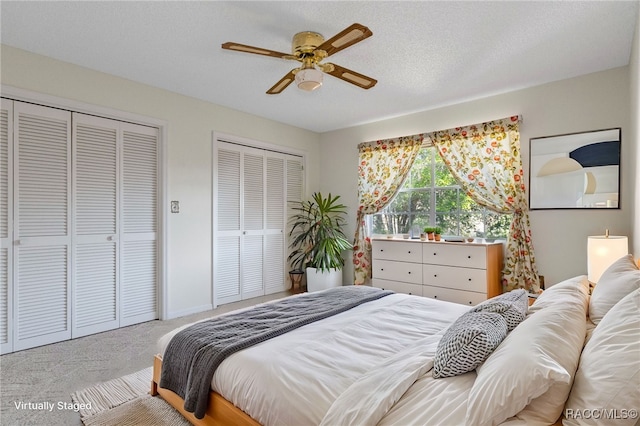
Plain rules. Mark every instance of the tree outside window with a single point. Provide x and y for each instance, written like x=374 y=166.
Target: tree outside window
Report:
x=430 y=196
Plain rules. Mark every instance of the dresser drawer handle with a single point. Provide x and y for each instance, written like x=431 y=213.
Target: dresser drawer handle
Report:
x=381 y=250
x=409 y=272
x=382 y=269
x=435 y=275
x=435 y=297
x=435 y=254
x=469 y=279
x=470 y=303
x=409 y=251
x=469 y=257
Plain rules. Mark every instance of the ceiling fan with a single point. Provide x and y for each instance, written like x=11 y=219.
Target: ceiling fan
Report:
x=310 y=48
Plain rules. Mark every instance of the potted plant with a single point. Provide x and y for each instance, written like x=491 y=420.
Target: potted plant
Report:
x=318 y=240
x=437 y=232
x=429 y=231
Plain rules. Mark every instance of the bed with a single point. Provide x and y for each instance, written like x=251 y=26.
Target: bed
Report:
x=556 y=361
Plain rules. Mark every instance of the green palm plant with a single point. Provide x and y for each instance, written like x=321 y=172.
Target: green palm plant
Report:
x=317 y=236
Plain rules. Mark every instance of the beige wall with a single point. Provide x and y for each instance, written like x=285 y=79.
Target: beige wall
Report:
x=634 y=134
x=590 y=102
x=189 y=152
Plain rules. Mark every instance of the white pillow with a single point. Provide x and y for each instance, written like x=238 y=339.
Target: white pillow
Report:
x=533 y=367
x=559 y=293
x=620 y=279
x=609 y=373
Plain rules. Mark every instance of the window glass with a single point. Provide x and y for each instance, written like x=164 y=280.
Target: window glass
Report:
x=431 y=197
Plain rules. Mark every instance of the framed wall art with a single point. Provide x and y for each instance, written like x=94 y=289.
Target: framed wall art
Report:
x=575 y=170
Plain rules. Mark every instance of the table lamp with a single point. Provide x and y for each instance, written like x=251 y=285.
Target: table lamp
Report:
x=602 y=251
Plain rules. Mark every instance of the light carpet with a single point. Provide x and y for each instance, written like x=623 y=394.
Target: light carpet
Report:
x=126 y=401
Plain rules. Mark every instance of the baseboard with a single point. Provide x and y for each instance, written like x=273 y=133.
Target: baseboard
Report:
x=189 y=311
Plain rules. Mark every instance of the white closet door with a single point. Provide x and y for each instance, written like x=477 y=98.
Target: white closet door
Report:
x=251 y=188
x=6 y=213
x=226 y=252
x=42 y=216
x=139 y=229
x=252 y=217
x=95 y=237
x=274 y=268
x=295 y=185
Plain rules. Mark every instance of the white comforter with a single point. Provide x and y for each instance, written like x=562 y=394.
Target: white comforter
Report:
x=369 y=365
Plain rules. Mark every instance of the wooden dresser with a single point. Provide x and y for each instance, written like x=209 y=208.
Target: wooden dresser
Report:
x=466 y=273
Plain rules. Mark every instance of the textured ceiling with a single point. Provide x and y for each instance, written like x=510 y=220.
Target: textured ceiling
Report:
x=424 y=55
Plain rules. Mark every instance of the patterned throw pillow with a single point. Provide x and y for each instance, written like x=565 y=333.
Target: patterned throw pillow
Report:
x=513 y=306
x=468 y=343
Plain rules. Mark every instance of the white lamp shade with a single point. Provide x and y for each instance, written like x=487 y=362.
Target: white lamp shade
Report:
x=309 y=79
x=602 y=251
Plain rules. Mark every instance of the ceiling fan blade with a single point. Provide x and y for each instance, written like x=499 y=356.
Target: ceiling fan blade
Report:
x=257 y=50
x=345 y=38
x=282 y=84
x=349 y=76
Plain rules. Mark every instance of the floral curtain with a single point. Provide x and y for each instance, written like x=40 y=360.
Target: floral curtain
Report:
x=485 y=160
x=382 y=168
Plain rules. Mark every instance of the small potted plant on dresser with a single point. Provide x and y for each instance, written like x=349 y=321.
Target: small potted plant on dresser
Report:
x=437 y=233
x=429 y=230
x=318 y=240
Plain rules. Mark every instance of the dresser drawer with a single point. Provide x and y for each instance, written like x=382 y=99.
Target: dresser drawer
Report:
x=451 y=254
x=467 y=279
x=403 y=251
x=398 y=287
x=397 y=271
x=456 y=296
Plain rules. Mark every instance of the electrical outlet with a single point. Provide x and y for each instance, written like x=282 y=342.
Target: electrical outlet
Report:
x=175 y=207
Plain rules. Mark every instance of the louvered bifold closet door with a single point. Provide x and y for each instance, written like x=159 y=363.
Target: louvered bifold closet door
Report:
x=252 y=217
x=274 y=250
x=6 y=213
x=295 y=185
x=139 y=231
x=95 y=237
x=42 y=231
x=226 y=211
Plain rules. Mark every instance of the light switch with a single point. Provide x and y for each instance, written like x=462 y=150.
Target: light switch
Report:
x=175 y=207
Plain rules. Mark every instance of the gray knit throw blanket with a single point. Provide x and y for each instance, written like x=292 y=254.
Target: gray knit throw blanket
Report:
x=192 y=356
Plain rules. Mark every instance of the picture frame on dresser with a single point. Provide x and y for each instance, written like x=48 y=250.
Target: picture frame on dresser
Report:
x=459 y=272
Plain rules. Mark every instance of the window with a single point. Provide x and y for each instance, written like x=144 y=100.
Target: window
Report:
x=430 y=196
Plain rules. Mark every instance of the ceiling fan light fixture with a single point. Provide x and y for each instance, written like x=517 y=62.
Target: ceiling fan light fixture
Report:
x=309 y=79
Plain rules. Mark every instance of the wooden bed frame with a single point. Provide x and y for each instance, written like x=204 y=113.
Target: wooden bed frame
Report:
x=219 y=413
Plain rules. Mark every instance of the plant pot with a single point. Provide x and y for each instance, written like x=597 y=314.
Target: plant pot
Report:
x=437 y=237
x=430 y=236
x=296 y=278
x=321 y=280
